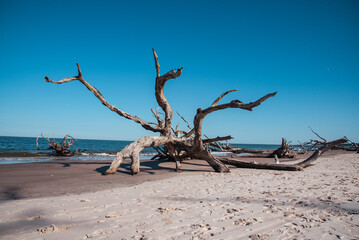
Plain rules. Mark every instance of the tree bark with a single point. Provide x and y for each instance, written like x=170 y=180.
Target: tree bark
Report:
x=133 y=150
x=241 y=164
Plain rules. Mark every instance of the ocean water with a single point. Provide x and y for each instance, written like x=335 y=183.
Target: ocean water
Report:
x=23 y=150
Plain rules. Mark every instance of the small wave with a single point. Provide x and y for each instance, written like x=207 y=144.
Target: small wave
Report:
x=221 y=153
x=16 y=160
x=22 y=154
x=148 y=154
x=97 y=154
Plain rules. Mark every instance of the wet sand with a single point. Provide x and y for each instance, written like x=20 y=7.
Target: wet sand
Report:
x=54 y=178
x=64 y=177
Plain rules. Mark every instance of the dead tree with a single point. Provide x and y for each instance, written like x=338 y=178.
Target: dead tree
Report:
x=62 y=148
x=284 y=151
x=179 y=144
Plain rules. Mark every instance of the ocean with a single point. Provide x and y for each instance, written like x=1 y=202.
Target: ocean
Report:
x=23 y=150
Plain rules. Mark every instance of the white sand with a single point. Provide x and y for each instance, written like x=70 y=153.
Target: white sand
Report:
x=320 y=203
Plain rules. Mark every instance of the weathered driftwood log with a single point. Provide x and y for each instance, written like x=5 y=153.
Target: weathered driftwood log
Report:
x=260 y=152
x=317 y=144
x=241 y=164
x=352 y=146
x=62 y=148
x=310 y=161
x=284 y=151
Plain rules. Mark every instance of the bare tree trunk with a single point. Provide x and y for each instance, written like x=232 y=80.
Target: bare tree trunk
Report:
x=133 y=151
x=216 y=164
x=285 y=150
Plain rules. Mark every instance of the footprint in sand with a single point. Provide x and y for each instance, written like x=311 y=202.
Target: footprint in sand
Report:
x=247 y=222
x=53 y=228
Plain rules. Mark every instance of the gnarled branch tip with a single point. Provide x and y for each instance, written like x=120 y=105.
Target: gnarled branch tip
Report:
x=215 y=103
x=79 y=70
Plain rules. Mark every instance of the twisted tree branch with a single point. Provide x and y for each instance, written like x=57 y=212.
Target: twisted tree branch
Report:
x=201 y=114
x=160 y=97
x=99 y=96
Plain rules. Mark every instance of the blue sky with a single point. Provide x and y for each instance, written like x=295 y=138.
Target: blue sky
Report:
x=308 y=51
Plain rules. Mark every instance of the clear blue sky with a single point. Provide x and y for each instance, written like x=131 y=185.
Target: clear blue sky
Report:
x=308 y=51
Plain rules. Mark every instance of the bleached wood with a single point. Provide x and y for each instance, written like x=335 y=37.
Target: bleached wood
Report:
x=160 y=97
x=133 y=150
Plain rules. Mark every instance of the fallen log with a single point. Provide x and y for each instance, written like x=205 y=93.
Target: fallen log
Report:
x=310 y=161
x=241 y=164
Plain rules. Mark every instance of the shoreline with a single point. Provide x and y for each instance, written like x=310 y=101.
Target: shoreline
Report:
x=321 y=202
x=64 y=177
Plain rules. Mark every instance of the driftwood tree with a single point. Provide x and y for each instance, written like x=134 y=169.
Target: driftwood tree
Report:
x=59 y=148
x=179 y=144
x=313 y=144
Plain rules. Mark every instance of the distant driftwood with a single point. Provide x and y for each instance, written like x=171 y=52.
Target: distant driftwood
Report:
x=314 y=144
x=62 y=148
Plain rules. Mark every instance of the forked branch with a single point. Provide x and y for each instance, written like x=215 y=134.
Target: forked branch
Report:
x=324 y=140
x=201 y=114
x=159 y=93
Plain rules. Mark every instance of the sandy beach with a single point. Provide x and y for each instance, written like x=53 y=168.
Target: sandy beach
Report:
x=50 y=201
